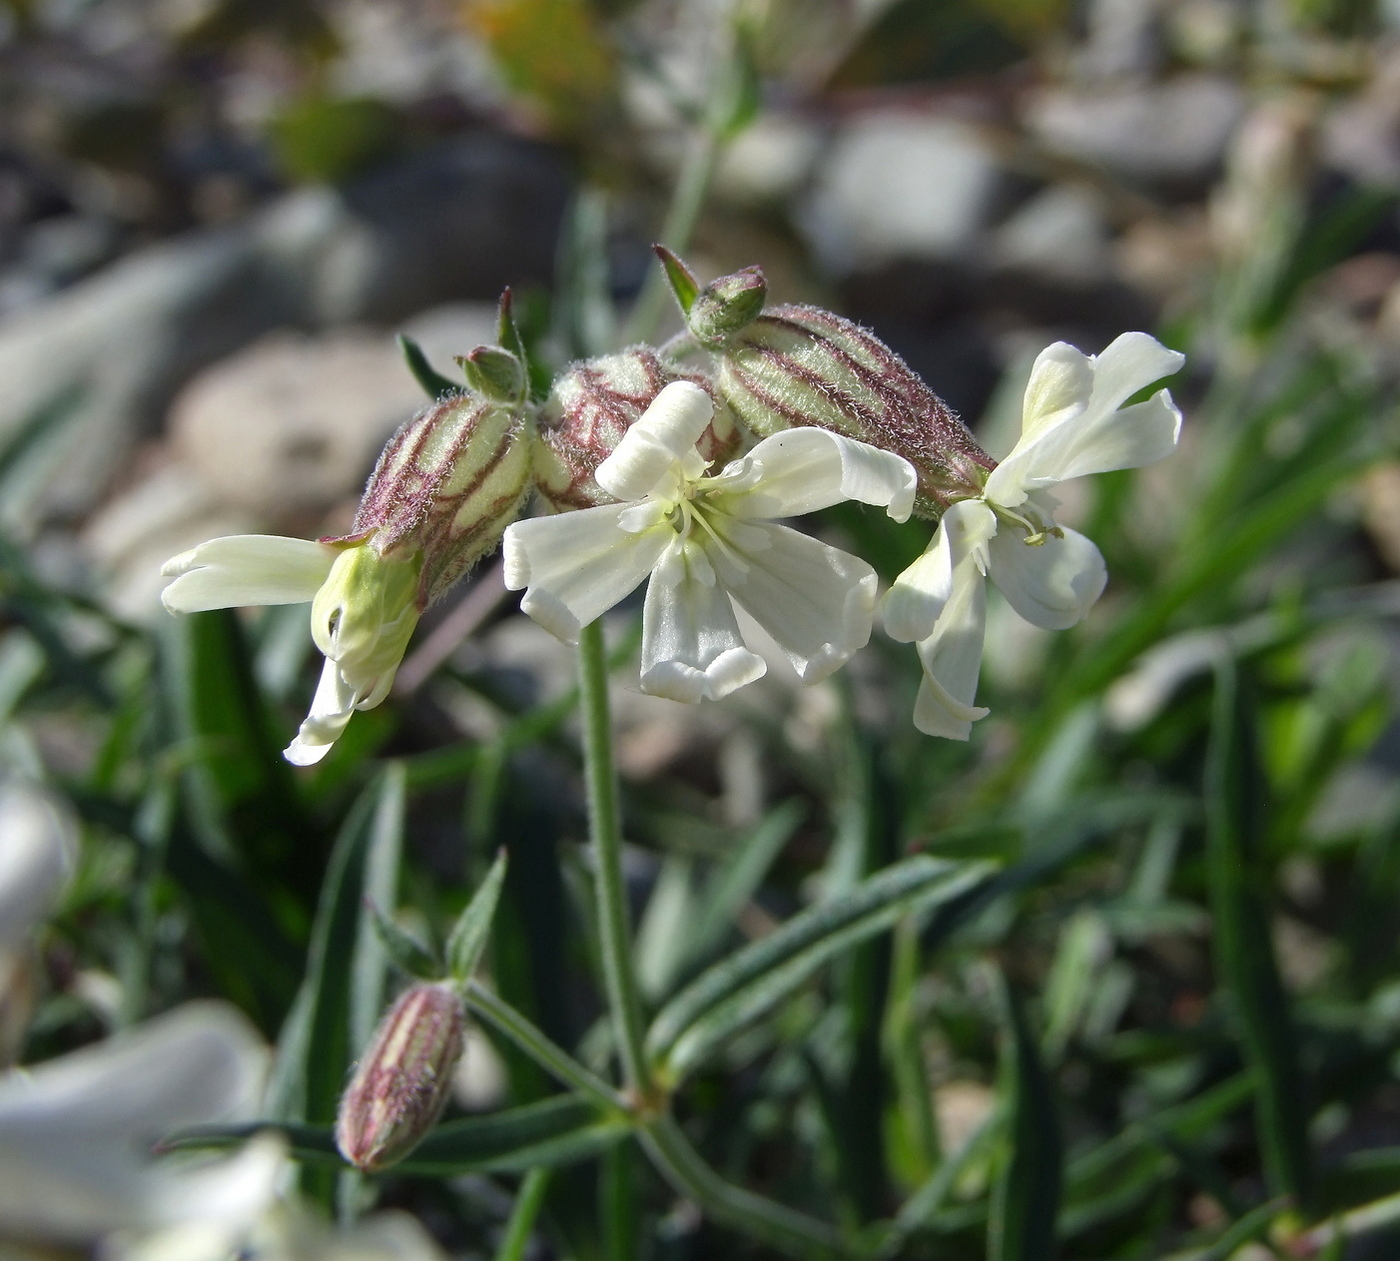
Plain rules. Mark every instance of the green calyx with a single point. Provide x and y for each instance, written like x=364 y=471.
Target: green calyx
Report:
x=720 y=309
x=365 y=612
x=494 y=373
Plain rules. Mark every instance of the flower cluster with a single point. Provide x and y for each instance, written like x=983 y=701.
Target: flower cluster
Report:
x=671 y=467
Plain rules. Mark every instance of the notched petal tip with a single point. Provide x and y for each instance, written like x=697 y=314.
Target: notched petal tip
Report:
x=677 y=681
x=552 y=614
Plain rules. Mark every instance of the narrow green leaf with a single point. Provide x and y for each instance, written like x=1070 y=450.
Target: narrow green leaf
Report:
x=370 y=964
x=528 y=1202
x=1249 y=1227
x=507 y=330
x=750 y=983
x=434 y=384
x=558 y=1130
x=1026 y=1199
x=316 y=1047
x=738 y=878
x=1244 y=958
x=469 y=936
x=239 y=791
x=681 y=279
x=404 y=950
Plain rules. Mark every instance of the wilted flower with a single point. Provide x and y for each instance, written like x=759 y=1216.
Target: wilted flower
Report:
x=1073 y=422
x=76 y=1133
x=591 y=405
x=799 y=365
x=704 y=539
x=403 y=1079
x=444 y=489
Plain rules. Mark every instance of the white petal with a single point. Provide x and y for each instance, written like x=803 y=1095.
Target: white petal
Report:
x=816 y=601
x=246 y=569
x=806 y=469
x=76 y=1132
x=691 y=647
x=917 y=596
x=660 y=439
x=1052 y=585
x=1061 y=380
x=1097 y=437
x=577 y=565
x=38 y=851
x=335 y=701
x=952 y=659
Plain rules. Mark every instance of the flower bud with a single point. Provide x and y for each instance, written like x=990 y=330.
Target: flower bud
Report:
x=403 y=1080
x=592 y=404
x=800 y=365
x=451 y=480
x=727 y=305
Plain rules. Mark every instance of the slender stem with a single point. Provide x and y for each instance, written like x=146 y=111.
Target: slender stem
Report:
x=782 y=1228
x=794 y=1233
x=522 y=1217
x=614 y=932
x=537 y=1045
x=687 y=201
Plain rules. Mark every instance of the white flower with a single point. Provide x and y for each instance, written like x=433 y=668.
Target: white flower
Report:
x=706 y=539
x=364 y=608
x=1073 y=422
x=76 y=1132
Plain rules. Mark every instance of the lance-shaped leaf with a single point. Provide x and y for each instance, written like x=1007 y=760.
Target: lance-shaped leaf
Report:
x=743 y=988
x=1244 y=957
x=404 y=950
x=433 y=382
x=315 y=1048
x=554 y=1131
x=468 y=938
x=1026 y=1200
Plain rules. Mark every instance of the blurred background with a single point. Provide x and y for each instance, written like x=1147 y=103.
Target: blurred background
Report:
x=215 y=215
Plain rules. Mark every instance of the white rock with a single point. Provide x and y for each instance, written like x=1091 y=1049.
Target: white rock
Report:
x=293 y=424
x=899 y=185
x=1059 y=234
x=1172 y=131
x=769 y=160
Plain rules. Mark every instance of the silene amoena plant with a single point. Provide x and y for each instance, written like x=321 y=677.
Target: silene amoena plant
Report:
x=674 y=467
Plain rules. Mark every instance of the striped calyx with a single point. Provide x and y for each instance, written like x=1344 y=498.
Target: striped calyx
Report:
x=449 y=482
x=592 y=404
x=800 y=365
x=402 y=1082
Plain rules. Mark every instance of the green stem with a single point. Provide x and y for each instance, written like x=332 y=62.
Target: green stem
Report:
x=687 y=201
x=547 y=1054
x=782 y=1228
x=522 y=1217
x=614 y=932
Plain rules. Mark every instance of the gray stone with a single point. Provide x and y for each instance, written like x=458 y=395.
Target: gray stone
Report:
x=1059 y=235
x=1174 y=132
x=900 y=186
x=291 y=425
x=458 y=221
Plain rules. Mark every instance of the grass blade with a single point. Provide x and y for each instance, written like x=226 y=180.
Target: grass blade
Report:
x=1244 y=958
x=751 y=982
x=1026 y=1200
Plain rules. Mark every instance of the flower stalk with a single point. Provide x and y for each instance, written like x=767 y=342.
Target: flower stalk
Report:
x=605 y=838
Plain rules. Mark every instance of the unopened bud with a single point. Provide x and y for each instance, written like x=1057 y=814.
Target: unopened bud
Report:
x=402 y=1082
x=592 y=404
x=727 y=305
x=447 y=484
x=800 y=365
x=494 y=373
